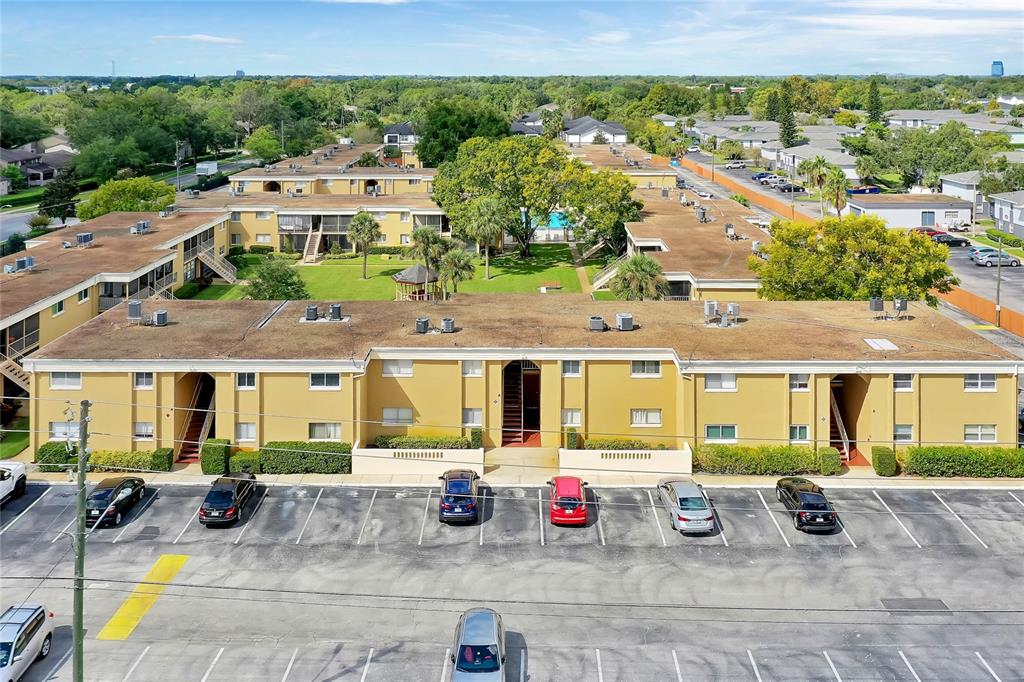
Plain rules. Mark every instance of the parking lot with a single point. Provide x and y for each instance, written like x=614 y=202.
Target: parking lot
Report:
x=982 y=281
x=883 y=597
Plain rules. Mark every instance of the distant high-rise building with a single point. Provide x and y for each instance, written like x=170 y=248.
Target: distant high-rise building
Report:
x=241 y=74
x=997 y=69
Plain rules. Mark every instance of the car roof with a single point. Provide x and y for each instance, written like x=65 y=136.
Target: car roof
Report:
x=468 y=474
x=567 y=485
x=18 y=615
x=231 y=481
x=113 y=482
x=802 y=485
x=480 y=626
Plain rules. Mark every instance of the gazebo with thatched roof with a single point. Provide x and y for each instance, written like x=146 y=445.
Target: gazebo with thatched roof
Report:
x=416 y=283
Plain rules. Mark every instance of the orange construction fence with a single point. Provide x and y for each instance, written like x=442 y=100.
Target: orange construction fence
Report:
x=984 y=309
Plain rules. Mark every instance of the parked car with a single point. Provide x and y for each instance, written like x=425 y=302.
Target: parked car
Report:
x=990 y=260
x=950 y=240
x=704 y=194
x=226 y=499
x=789 y=188
x=692 y=149
x=568 y=501
x=959 y=227
x=806 y=503
x=478 y=652
x=757 y=176
x=928 y=231
x=680 y=183
x=767 y=179
x=687 y=505
x=12 y=480
x=26 y=633
x=113 y=498
x=736 y=165
x=976 y=251
x=458 y=496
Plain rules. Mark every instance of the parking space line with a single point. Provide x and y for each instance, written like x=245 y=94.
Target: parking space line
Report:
x=366 y=668
x=309 y=516
x=774 y=520
x=210 y=669
x=987 y=667
x=600 y=528
x=62 y=531
x=251 y=516
x=909 y=667
x=522 y=665
x=833 y=666
x=444 y=668
x=135 y=664
x=679 y=671
x=480 y=515
x=753 y=665
x=24 y=511
x=721 y=528
x=144 y=508
x=657 y=524
x=423 y=523
x=58 y=665
x=366 y=519
x=540 y=515
x=188 y=523
x=846 y=532
x=291 y=662
x=600 y=672
x=957 y=517
x=1019 y=501
x=905 y=529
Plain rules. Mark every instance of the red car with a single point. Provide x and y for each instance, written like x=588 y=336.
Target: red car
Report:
x=568 y=500
x=928 y=231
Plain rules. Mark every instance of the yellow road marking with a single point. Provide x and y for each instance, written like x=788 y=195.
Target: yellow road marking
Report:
x=142 y=598
x=984 y=326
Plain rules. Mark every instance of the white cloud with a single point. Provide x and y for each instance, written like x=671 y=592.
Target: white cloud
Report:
x=610 y=37
x=202 y=38
x=274 y=55
x=931 y=5
x=903 y=26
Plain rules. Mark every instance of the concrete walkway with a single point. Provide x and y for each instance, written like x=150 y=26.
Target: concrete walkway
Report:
x=581 y=272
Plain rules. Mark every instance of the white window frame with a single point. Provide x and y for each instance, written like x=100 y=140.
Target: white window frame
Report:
x=978 y=382
x=236 y=216
x=57 y=309
x=573 y=416
x=263 y=239
x=64 y=431
x=405 y=217
x=404 y=239
x=795 y=382
x=325 y=387
x=720 y=439
x=83 y=296
x=239 y=386
x=67 y=381
x=903 y=433
x=469 y=419
x=395 y=416
x=396 y=368
x=139 y=382
x=472 y=368
x=903 y=383
x=568 y=365
x=333 y=426
x=640 y=417
x=245 y=432
x=264 y=215
x=638 y=369
x=806 y=433
x=142 y=431
x=724 y=382
x=976 y=433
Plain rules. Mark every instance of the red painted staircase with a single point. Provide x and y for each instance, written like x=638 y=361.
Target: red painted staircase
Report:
x=512 y=410
x=191 y=445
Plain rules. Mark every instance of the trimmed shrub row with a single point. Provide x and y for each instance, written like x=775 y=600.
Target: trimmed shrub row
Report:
x=305 y=457
x=389 y=250
x=572 y=439
x=261 y=249
x=1008 y=239
x=830 y=462
x=764 y=460
x=883 y=460
x=213 y=458
x=422 y=442
x=964 y=460
x=476 y=438
x=54 y=456
x=285 y=256
x=341 y=256
x=119 y=460
x=236 y=251
x=244 y=461
x=621 y=444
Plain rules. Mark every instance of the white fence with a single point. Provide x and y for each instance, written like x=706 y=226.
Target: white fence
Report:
x=594 y=462
x=432 y=462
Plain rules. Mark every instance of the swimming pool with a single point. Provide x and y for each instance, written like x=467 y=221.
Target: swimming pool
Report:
x=557 y=220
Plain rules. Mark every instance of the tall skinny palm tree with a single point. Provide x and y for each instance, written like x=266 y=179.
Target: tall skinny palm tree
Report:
x=428 y=245
x=815 y=171
x=639 y=278
x=485 y=221
x=364 y=230
x=836 y=184
x=455 y=266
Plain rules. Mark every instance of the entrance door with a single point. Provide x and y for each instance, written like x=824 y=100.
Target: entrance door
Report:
x=520 y=403
x=927 y=218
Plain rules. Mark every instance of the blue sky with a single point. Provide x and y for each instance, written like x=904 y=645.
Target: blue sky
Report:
x=481 y=37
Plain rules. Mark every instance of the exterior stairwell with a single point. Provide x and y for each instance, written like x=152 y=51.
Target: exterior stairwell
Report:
x=838 y=437
x=222 y=266
x=602 y=278
x=197 y=427
x=312 y=249
x=512 y=410
x=10 y=368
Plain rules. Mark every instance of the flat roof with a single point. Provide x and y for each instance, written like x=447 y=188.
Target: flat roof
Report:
x=114 y=250
x=701 y=249
x=601 y=156
x=284 y=203
x=342 y=154
x=769 y=331
x=907 y=200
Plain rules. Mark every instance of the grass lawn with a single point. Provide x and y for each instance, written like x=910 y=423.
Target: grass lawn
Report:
x=15 y=438
x=603 y=296
x=246 y=264
x=220 y=292
x=992 y=242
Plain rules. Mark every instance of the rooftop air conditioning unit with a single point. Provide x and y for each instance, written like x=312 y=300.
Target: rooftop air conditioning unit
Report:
x=135 y=310
x=20 y=264
x=710 y=310
x=160 y=318
x=9 y=269
x=733 y=310
x=730 y=231
x=164 y=214
x=84 y=238
x=334 y=312
x=664 y=192
x=312 y=313
x=901 y=305
x=30 y=262
x=596 y=323
x=624 y=322
x=422 y=325
x=298 y=190
x=447 y=325
x=876 y=305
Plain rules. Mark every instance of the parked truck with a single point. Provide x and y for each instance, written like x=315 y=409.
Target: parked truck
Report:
x=12 y=481
x=206 y=168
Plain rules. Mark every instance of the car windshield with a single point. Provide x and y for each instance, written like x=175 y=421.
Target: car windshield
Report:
x=99 y=498
x=813 y=503
x=478 y=659
x=692 y=503
x=5 y=653
x=568 y=502
x=220 y=496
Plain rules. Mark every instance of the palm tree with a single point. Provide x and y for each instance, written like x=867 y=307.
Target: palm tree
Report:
x=867 y=168
x=815 y=171
x=428 y=245
x=836 y=184
x=455 y=266
x=639 y=278
x=364 y=230
x=486 y=219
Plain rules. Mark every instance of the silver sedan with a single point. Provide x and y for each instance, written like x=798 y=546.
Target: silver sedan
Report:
x=687 y=505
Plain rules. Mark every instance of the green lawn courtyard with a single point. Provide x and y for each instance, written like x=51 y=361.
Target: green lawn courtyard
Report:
x=15 y=438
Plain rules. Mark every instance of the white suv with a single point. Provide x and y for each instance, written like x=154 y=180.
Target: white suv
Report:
x=12 y=481
x=26 y=634
x=735 y=164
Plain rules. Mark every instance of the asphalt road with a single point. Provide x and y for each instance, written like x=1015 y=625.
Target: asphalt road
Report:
x=17 y=221
x=982 y=281
x=358 y=584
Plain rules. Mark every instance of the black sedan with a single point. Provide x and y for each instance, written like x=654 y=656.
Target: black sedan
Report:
x=458 y=496
x=225 y=502
x=806 y=503
x=949 y=240
x=113 y=498
x=789 y=188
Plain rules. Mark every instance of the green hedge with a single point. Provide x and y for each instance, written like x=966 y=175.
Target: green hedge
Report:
x=236 y=251
x=306 y=457
x=389 y=250
x=54 y=456
x=285 y=256
x=261 y=249
x=120 y=460
x=830 y=462
x=422 y=442
x=476 y=438
x=760 y=460
x=162 y=459
x=244 y=461
x=572 y=439
x=964 y=460
x=883 y=460
x=621 y=444
x=341 y=256
x=1008 y=239
x=213 y=458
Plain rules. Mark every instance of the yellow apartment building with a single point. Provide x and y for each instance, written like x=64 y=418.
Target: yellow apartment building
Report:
x=71 y=275
x=642 y=168
x=523 y=370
